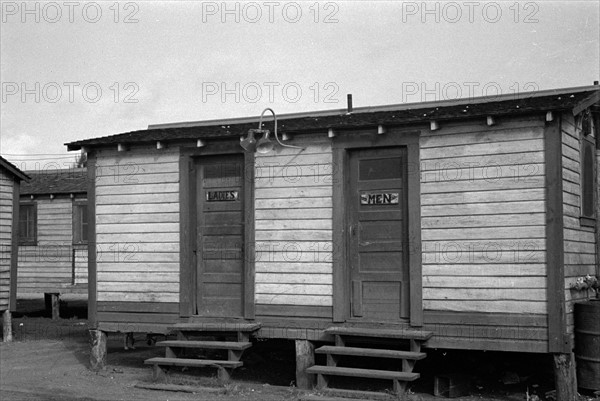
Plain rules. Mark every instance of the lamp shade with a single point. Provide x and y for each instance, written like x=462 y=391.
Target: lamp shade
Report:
x=264 y=144
x=249 y=143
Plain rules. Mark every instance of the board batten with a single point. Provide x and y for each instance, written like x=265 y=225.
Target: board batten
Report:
x=137 y=233
x=6 y=220
x=49 y=264
x=293 y=223
x=579 y=241
x=483 y=218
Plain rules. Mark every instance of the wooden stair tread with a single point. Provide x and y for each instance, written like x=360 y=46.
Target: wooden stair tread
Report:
x=205 y=344
x=386 y=333
x=366 y=373
x=371 y=352
x=339 y=394
x=217 y=326
x=192 y=362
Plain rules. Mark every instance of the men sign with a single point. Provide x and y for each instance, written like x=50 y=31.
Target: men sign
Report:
x=379 y=198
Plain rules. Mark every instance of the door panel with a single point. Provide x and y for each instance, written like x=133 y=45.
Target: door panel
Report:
x=220 y=223
x=377 y=238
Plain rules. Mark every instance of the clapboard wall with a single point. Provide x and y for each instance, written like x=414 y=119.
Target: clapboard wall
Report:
x=137 y=237
x=579 y=241
x=484 y=207
x=483 y=234
x=293 y=223
x=7 y=185
x=48 y=265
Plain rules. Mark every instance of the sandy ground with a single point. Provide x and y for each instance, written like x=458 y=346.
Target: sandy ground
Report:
x=49 y=361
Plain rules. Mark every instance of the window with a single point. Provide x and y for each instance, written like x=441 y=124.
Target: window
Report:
x=80 y=223
x=27 y=224
x=588 y=186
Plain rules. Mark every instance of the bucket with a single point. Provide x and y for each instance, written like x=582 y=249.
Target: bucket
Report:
x=587 y=344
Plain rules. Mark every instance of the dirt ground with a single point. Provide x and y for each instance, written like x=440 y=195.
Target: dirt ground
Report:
x=48 y=360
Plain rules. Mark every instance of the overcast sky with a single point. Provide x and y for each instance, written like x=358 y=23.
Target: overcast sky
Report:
x=75 y=70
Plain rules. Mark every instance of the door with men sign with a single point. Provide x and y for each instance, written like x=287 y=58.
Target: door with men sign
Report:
x=376 y=234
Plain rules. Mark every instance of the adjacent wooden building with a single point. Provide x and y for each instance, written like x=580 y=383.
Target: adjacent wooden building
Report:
x=10 y=182
x=455 y=224
x=53 y=219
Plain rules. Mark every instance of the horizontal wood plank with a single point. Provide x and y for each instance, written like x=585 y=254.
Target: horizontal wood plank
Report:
x=493 y=306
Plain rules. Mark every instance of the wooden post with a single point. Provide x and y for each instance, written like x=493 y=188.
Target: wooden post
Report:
x=598 y=206
x=223 y=375
x=52 y=302
x=98 y=351
x=565 y=379
x=7 y=326
x=305 y=358
x=158 y=374
x=55 y=306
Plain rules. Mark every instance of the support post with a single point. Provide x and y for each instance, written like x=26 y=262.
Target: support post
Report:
x=565 y=379
x=98 y=351
x=52 y=301
x=305 y=358
x=223 y=375
x=7 y=326
x=158 y=374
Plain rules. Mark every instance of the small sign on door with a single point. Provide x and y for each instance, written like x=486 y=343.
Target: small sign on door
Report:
x=221 y=196
x=379 y=198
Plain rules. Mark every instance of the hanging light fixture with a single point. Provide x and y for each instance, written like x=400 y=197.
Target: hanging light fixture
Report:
x=249 y=143
x=264 y=144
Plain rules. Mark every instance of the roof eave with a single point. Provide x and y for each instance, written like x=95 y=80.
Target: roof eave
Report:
x=14 y=170
x=364 y=110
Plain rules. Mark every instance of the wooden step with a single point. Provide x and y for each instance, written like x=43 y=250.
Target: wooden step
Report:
x=403 y=334
x=348 y=395
x=192 y=362
x=365 y=373
x=238 y=346
x=339 y=394
x=371 y=352
x=217 y=326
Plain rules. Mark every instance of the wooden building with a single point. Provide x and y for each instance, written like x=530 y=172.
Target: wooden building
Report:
x=53 y=235
x=455 y=224
x=10 y=182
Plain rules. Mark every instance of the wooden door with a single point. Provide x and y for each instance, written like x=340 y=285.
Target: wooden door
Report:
x=220 y=241
x=376 y=234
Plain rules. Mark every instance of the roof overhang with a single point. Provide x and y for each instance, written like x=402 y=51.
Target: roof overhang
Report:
x=12 y=169
x=566 y=99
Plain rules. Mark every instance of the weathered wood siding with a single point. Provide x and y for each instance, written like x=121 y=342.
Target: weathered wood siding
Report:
x=6 y=230
x=579 y=241
x=137 y=237
x=80 y=264
x=293 y=223
x=48 y=266
x=483 y=226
